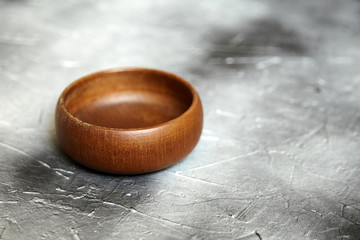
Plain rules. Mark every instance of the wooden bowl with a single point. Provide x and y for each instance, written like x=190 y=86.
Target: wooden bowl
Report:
x=129 y=120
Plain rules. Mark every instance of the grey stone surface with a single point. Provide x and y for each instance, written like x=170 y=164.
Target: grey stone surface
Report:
x=279 y=153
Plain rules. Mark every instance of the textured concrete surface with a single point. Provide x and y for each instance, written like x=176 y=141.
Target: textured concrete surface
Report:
x=279 y=154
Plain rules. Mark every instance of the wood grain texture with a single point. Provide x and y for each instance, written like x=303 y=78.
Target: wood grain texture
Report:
x=129 y=120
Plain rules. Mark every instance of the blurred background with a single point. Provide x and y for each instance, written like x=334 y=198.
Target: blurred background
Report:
x=279 y=153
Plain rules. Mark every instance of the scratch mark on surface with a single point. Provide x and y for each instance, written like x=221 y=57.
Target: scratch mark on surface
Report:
x=248 y=195
x=227 y=114
x=326 y=178
x=17 y=40
x=270 y=158
x=196 y=179
x=343 y=206
x=32 y=193
x=12 y=221
x=258 y=235
x=8 y=202
x=44 y=202
x=214 y=200
x=268 y=63
x=62 y=175
x=166 y=222
x=169 y=222
x=347 y=219
x=91 y=214
x=339 y=60
x=112 y=191
x=325 y=126
x=243 y=211
x=116 y=205
x=2 y=231
x=329 y=230
x=64 y=171
x=6 y=184
x=292 y=175
x=60 y=190
x=309 y=135
x=25 y=154
x=244 y=60
x=224 y=161
x=73 y=197
x=165 y=192
x=75 y=234
x=314 y=211
x=249 y=235
x=43 y=163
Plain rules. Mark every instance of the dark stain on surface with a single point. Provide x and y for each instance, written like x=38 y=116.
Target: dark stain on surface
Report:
x=262 y=37
x=239 y=47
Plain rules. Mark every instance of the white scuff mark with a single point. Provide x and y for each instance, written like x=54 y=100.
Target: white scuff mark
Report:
x=160 y=193
x=75 y=234
x=243 y=60
x=229 y=60
x=8 y=202
x=62 y=175
x=91 y=214
x=12 y=221
x=6 y=184
x=167 y=222
x=194 y=179
x=305 y=138
x=64 y=171
x=73 y=197
x=25 y=154
x=70 y=63
x=17 y=40
x=80 y=188
x=340 y=60
x=260 y=62
x=37 y=200
x=226 y=160
x=292 y=175
x=133 y=210
x=163 y=192
x=44 y=164
x=243 y=211
x=227 y=114
x=268 y=63
x=60 y=190
x=314 y=211
x=32 y=193
x=237 y=39
x=115 y=205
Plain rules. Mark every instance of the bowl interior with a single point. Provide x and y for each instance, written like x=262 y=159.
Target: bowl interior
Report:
x=128 y=99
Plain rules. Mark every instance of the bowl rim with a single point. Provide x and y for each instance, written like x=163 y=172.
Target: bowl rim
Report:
x=195 y=98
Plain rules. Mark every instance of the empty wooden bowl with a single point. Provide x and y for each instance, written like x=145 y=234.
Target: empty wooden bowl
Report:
x=129 y=120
